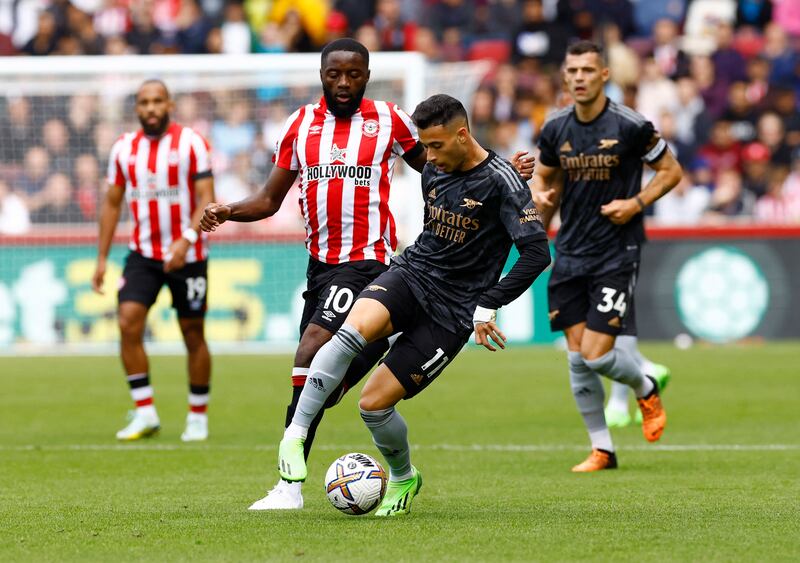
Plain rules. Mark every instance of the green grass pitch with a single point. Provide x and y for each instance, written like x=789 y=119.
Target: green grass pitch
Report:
x=494 y=437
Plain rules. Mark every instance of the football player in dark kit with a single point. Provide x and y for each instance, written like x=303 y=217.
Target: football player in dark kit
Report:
x=591 y=163
x=440 y=290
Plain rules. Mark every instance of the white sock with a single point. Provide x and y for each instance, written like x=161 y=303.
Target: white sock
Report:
x=601 y=439
x=295 y=431
x=644 y=388
x=148 y=410
x=618 y=399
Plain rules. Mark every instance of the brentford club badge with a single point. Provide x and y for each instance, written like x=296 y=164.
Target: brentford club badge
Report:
x=370 y=128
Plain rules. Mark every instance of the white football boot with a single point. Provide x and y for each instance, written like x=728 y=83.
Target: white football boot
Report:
x=196 y=428
x=143 y=423
x=284 y=496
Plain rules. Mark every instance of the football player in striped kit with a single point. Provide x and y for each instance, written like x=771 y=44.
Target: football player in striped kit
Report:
x=342 y=150
x=163 y=170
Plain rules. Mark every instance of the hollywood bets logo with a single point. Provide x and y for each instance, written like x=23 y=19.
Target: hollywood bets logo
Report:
x=338 y=169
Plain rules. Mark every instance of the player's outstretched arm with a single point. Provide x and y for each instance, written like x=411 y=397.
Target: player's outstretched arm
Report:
x=264 y=203
x=108 y=219
x=668 y=174
x=546 y=189
x=534 y=257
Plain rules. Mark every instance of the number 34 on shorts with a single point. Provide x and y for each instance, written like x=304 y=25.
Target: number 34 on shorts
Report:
x=612 y=300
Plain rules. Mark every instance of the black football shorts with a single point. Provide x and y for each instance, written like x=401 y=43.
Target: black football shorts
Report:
x=604 y=302
x=143 y=278
x=332 y=289
x=425 y=347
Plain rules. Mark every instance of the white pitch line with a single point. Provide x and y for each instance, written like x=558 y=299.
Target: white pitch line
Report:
x=362 y=447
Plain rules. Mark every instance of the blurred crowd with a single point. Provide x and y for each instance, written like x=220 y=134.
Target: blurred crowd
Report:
x=720 y=79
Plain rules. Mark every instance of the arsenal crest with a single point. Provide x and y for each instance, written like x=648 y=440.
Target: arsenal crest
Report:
x=370 y=128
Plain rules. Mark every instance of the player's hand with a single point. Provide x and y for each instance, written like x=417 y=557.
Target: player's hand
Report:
x=485 y=333
x=620 y=211
x=544 y=201
x=98 y=276
x=523 y=164
x=176 y=257
x=214 y=215
x=486 y=329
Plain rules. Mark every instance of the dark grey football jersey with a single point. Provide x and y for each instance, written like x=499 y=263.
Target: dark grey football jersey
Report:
x=471 y=220
x=602 y=161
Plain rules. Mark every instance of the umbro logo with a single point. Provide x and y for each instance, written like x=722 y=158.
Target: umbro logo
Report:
x=583 y=391
x=432 y=194
x=566 y=147
x=553 y=314
x=316 y=382
x=416 y=378
x=337 y=154
x=315 y=130
x=328 y=315
x=607 y=143
x=374 y=287
x=471 y=203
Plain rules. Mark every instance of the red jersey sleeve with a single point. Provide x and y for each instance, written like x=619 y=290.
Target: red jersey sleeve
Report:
x=285 y=155
x=201 y=151
x=114 y=175
x=403 y=130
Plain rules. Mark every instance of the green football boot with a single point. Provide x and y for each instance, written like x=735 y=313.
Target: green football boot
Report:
x=399 y=494
x=291 y=460
x=617 y=418
x=662 y=375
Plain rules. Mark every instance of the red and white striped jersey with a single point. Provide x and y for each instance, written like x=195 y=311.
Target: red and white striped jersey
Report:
x=345 y=168
x=159 y=179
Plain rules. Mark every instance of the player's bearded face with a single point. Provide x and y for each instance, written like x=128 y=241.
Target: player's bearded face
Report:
x=152 y=108
x=344 y=81
x=343 y=107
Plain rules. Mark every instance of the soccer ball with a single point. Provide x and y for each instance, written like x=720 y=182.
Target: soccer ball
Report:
x=355 y=483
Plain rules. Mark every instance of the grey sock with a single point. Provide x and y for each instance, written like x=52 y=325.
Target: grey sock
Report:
x=390 y=434
x=620 y=366
x=630 y=344
x=587 y=388
x=326 y=373
x=619 y=391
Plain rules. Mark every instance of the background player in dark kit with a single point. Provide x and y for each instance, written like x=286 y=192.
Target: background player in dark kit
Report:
x=591 y=163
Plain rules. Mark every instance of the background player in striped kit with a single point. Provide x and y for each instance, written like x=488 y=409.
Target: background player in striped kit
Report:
x=164 y=172
x=342 y=149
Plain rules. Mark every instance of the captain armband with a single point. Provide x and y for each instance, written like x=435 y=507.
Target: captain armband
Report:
x=656 y=152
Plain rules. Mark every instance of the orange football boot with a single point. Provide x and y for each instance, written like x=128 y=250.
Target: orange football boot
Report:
x=654 y=417
x=597 y=460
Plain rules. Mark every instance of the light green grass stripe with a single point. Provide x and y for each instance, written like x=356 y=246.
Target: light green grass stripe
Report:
x=429 y=447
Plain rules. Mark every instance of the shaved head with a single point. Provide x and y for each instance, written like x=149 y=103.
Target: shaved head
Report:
x=153 y=82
